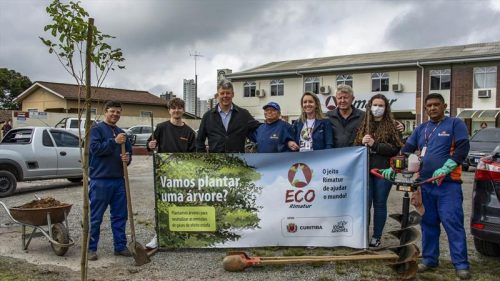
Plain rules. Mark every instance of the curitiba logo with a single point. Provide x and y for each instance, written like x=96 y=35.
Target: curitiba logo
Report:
x=299 y=175
x=291 y=228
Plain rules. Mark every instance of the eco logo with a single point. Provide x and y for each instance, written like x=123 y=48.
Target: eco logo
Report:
x=291 y=228
x=299 y=175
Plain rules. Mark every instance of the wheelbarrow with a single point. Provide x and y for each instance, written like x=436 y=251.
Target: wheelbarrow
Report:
x=53 y=218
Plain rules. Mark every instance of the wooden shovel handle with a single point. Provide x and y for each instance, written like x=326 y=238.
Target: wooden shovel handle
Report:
x=129 y=198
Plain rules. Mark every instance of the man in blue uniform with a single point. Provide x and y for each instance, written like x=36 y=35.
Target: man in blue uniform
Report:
x=274 y=134
x=107 y=185
x=443 y=143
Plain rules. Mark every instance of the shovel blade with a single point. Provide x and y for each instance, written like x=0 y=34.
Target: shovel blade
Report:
x=139 y=253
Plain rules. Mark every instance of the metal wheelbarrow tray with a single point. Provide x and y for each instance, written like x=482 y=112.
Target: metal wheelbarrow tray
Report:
x=53 y=217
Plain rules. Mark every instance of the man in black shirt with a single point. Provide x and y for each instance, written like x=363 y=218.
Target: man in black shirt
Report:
x=173 y=135
x=227 y=125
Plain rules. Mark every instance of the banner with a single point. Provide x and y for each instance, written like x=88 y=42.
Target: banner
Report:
x=218 y=200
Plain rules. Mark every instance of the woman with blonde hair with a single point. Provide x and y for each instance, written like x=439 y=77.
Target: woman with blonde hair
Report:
x=378 y=132
x=311 y=131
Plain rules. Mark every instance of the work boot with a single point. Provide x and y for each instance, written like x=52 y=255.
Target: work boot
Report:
x=423 y=268
x=92 y=256
x=463 y=274
x=125 y=253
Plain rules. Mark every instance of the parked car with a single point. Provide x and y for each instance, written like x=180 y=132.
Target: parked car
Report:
x=485 y=218
x=38 y=153
x=141 y=133
x=482 y=143
x=70 y=124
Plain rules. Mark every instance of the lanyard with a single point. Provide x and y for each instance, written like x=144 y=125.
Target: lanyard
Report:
x=427 y=137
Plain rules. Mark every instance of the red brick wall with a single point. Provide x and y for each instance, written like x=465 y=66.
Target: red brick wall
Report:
x=461 y=87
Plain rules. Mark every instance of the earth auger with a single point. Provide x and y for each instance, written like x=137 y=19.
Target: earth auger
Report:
x=406 y=166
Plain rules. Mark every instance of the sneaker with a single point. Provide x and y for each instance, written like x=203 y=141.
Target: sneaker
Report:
x=125 y=253
x=463 y=274
x=423 y=268
x=375 y=242
x=91 y=255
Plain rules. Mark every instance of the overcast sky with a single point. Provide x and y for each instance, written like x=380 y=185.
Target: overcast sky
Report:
x=157 y=36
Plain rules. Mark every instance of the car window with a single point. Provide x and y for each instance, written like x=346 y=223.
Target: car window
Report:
x=487 y=136
x=18 y=136
x=64 y=139
x=135 y=130
x=46 y=140
x=73 y=123
x=146 y=130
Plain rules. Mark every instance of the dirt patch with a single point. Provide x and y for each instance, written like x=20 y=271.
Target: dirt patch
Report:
x=47 y=202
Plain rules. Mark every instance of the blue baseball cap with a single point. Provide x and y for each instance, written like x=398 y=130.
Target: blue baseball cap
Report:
x=273 y=105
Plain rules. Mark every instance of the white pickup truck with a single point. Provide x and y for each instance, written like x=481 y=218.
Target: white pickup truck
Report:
x=70 y=124
x=38 y=153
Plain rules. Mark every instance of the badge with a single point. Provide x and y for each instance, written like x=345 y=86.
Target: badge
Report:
x=423 y=151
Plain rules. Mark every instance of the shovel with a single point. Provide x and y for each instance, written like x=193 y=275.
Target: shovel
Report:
x=136 y=249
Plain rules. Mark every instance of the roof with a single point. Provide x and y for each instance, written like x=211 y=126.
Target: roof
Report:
x=70 y=92
x=381 y=59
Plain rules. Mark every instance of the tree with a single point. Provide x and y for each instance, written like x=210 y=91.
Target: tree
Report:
x=12 y=84
x=80 y=45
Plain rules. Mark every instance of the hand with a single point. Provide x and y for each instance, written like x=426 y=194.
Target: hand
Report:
x=368 y=140
x=448 y=166
x=125 y=157
x=292 y=145
x=388 y=174
x=152 y=144
x=120 y=138
x=400 y=126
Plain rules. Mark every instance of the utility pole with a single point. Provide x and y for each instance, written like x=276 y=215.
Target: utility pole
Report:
x=195 y=55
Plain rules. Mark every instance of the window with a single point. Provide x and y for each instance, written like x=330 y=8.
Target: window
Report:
x=311 y=84
x=249 y=89
x=46 y=140
x=65 y=139
x=30 y=110
x=93 y=111
x=277 y=88
x=145 y=113
x=380 y=82
x=485 y=77
x=135 y=130
x=344 y=79
x=440 y=79
x=19 y=136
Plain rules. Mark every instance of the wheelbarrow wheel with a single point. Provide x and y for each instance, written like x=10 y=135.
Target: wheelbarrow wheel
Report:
x=61 y=234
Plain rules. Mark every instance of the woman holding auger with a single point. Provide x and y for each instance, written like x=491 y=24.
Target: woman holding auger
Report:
x=378 y=132
x=311 y=131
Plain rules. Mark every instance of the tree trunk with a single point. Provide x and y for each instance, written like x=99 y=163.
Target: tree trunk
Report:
x=85 y=158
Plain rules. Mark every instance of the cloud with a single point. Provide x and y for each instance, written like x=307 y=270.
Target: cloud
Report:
x=441 y=23
x=157 y=37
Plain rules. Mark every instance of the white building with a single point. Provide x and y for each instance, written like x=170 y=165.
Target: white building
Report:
x=189 y=90
x=466 y=76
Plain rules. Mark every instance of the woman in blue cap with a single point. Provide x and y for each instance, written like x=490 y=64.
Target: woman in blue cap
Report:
x=274 y=134
x=311 y=131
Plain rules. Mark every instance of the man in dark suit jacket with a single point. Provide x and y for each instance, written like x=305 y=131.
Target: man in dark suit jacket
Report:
x=227 y=125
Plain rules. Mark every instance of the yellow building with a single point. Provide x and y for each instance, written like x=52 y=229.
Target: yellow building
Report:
x=63 y=98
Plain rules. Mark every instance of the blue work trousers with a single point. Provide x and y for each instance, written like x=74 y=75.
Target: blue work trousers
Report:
x=104 y=192
x=443 y=204
x=377 y=195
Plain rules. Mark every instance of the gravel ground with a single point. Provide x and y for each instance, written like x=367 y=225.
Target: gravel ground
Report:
x=167 y=265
